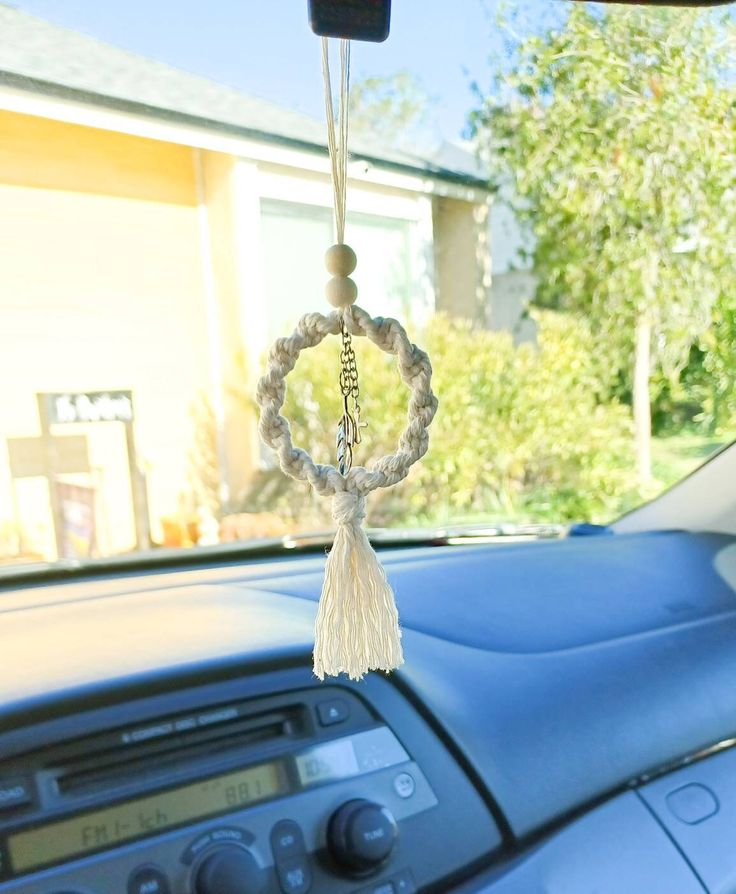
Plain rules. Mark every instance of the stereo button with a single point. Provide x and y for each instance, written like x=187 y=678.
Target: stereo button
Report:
x=334 y=711
x=404 y=785
x=404 y=882
x=361 y=835
x=14 y=792
x=286 y=840
x=148 y=880
x=295 y=876
x=230 y=870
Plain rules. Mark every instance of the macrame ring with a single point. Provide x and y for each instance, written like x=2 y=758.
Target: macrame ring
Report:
x=414 y=368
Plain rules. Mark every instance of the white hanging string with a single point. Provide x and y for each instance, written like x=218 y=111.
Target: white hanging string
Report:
x=337 y=131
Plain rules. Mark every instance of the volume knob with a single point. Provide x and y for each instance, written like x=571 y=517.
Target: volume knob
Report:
x=230 y=870
x=361 y=835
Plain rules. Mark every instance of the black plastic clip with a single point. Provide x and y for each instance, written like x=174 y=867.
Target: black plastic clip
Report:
x=351 y=19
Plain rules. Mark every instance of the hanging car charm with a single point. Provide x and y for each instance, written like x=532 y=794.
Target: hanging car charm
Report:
x=357 y=626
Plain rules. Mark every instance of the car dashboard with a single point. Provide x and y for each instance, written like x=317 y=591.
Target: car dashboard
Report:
x=564 y=723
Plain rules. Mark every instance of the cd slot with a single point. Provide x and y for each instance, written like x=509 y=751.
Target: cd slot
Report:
x=152 y=762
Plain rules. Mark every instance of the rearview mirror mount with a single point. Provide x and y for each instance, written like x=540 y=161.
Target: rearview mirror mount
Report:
x=351 y=19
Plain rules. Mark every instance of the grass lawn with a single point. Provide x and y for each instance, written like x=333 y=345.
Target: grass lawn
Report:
x=675 y=456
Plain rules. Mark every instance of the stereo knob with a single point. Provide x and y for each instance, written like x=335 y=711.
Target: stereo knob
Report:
x=361 y=835
x=230 y=870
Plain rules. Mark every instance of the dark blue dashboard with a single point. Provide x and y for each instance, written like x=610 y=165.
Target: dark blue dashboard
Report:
x=563 y=678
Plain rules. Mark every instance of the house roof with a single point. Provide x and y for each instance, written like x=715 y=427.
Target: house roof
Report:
x=40 y=56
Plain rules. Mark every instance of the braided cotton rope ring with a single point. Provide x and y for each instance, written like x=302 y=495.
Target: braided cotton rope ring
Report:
x=415 y=370
x=357 y=626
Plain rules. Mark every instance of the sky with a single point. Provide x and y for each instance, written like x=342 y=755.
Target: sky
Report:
x=266 y=48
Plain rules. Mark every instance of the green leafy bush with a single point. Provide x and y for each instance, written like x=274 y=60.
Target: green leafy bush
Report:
x=522 y=433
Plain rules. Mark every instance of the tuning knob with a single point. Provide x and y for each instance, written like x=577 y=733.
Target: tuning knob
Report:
x=361 y=835
x=230 y=870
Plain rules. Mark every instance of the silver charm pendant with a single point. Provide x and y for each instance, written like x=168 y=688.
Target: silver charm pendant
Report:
x=348 y=429
x=345 y=440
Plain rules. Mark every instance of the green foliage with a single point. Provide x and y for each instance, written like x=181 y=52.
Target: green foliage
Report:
x=677 y=455
x=720 y=364
x=616 y=136
x=710 y=379
x=521 y=433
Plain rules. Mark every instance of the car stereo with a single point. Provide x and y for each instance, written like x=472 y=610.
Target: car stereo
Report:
x=303 y=791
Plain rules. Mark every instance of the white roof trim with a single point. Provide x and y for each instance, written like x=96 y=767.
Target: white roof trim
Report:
x=83 y=113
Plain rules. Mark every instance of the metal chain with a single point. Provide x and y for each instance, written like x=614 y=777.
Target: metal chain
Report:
x=348 y=431
x=349 y=374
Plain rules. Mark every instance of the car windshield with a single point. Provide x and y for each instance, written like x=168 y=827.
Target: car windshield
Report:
x=543 y=193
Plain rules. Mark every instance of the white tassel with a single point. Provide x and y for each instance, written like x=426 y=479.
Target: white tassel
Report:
x=357 y=627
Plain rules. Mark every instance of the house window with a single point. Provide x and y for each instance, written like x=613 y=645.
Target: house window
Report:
x=383 y=246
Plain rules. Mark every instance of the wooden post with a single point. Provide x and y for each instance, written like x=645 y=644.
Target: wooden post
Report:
x=50 y=470
x=139 y=490
x=17 y=515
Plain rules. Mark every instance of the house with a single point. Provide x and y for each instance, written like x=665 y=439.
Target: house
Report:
x=145 y=213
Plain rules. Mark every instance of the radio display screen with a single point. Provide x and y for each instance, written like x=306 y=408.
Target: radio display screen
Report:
x=145 y=816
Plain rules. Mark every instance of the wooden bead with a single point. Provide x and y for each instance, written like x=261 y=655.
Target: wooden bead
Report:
x=341 y=291
x=340 y=260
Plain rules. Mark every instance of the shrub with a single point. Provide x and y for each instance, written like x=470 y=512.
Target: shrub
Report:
x=522 y=433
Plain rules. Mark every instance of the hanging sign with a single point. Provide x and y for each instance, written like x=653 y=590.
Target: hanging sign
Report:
x=89 y=406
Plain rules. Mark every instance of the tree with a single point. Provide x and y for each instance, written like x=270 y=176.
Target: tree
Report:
x=715 y=375
x=616 y=132
x=395 y=110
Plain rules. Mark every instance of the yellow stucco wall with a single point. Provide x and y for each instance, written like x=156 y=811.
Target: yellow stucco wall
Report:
x=230 y=250
x=132 y=263
x=101 y=286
